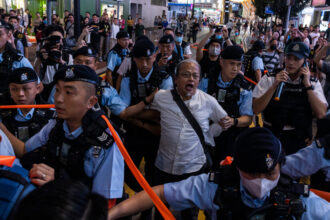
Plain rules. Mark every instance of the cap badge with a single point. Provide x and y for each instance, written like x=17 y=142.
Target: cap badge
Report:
x=296 y=47
x=24 y=77
x=148 y=52
x=69 y=73
x=168 y=40
x=89 y=51
x=269 y=161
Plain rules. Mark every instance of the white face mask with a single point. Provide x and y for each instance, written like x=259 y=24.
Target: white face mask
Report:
x=259 y=187
x=214 y=51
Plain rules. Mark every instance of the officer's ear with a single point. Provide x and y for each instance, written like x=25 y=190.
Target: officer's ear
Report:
x=91 y=102
x=39 y=87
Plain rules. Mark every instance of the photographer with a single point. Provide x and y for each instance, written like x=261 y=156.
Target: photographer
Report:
x=51 y=57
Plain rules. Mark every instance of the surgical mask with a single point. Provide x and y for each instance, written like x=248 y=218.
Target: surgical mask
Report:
x=179 y=39
x=214 y=51
x=262 y=37
x=236 y=33
x=259 y=187
x=45 y=22
x=273 y=47
x=218 y=37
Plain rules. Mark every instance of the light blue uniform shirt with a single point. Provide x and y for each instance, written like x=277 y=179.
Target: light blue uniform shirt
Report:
x=125 y=91
x=257 y=64
x=20 y=117
x=108 y=181
x=198 y=191
x=114 y=59
x=245 y=100
x=6 y=149
x=18 y=64
x=110 y=98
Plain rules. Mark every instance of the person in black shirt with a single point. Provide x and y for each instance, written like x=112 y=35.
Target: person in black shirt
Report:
x=195 y=28
x=95 y=34
x=139 y=29
x=105 y=28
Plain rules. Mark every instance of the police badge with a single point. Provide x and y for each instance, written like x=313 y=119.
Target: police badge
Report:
x=69 y=73
x=269 y=161
x=24 y=77
x=296 y=47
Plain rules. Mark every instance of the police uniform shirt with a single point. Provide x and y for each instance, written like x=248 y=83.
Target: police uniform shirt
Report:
x=180 y=150
x=266 y=82
x=245 y=100
x=6 y=149
x=125 y=66
x=125 y=91
x=110 y=98
x=307 y=161
x=114 y=59
x=257 y=64
x=18 y=64
x=199 y=191
x=108 y=181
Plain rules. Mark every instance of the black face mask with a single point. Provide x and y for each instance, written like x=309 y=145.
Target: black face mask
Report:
x=273 y=47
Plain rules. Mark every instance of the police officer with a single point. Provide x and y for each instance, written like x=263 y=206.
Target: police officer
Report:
x=253 y=63
x=234 y=94
x=144 y=78
x=251 y=187
x=116 y=56
x=167 y=59
x=182 y=47
x=77 y=145
x=24 y=90
x=10 y=59
x=290 y=117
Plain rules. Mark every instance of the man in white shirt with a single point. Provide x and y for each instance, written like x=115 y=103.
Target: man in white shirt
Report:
x=114 y=30
x=315 y=35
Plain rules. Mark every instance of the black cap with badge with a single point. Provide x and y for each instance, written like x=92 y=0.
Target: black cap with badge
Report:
x=85 y=51
x=122 y=34
x=297 y=49
x=234 y=52
x=77 y=73
x=143 y=48
x=257 y=150
x=23 y=75
x=166 y=39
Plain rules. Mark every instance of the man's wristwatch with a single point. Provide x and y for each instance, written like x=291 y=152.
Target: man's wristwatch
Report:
x=145 y=101
x=309 y=88
x=235 y=122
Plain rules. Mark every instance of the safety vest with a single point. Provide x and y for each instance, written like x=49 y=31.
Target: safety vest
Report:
x=210 y=69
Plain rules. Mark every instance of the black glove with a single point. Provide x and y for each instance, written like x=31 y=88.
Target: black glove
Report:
x=95 y=129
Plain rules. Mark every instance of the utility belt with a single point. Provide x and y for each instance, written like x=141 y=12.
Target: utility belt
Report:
x=285 y=128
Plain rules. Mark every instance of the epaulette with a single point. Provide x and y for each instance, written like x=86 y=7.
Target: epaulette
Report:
x=313 y=79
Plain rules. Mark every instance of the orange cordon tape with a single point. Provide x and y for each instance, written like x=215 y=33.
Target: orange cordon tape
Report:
x=27 y=106
x=7 y=160
x=138 y=176
x=250 y=80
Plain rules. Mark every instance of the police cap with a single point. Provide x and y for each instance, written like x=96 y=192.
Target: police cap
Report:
x=234 y=52
x=77 y=73
x=166 y=39
x=85 y=51
x=257 y=150
x=23 y=75
x=143 y=48
x=122 y=34
x=297 y=49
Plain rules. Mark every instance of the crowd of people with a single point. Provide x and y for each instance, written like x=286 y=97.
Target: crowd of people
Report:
x=181 y=114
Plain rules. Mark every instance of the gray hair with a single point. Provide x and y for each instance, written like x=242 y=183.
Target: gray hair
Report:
x=187 y=61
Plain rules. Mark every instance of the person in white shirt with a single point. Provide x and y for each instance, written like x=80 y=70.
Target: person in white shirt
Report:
x=315 y=35
x=114 y=30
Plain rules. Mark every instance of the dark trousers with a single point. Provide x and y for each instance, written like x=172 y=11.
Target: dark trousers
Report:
x=130 y=31
x=163 y=177
x=194 y=36
x=141 y=144
x=291 y=140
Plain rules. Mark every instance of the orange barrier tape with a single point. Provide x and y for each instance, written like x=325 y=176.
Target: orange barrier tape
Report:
x=250 y=80
x=27 y=106
x=7 y=160
x=227 y=161
x=323 y=194
x=196 y=48
x=165 y=212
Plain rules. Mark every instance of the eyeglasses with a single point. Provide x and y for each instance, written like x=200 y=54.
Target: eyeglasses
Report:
x=188 y=75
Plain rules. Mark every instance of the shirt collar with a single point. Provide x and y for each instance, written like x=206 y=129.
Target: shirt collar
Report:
x=28 y=116
x=144 y=79
x=223 y=84
x=71 y=135
x=252 y=202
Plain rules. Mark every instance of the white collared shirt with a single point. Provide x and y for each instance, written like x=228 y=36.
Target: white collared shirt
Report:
x=180 y=150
